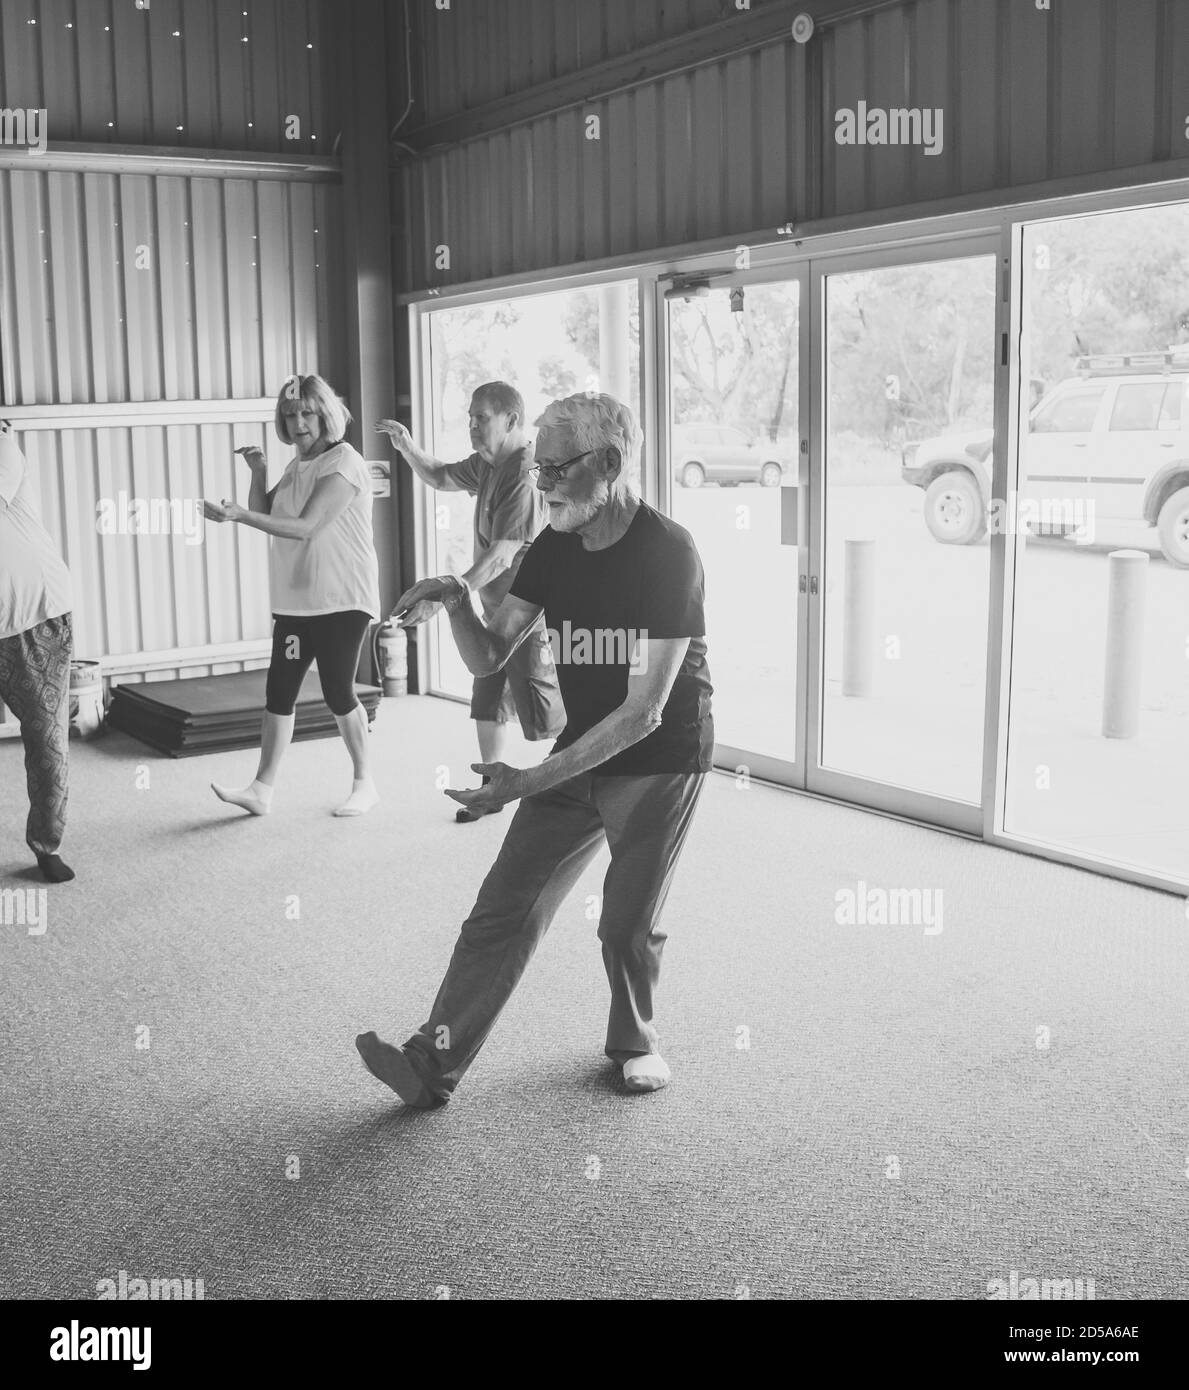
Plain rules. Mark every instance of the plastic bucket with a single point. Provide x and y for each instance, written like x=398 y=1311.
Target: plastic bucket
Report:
x=86 y=698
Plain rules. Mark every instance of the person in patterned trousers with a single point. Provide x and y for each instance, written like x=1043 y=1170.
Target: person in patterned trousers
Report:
x=35 y=653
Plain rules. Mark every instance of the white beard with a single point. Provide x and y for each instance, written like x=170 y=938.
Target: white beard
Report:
x=578 y=514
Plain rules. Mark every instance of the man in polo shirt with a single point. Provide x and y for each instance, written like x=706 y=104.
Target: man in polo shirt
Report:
x=508 y=514
x=621 y=587
x=35 y=651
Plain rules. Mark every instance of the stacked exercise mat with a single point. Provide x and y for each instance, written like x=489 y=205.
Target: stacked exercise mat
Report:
x=211 y=714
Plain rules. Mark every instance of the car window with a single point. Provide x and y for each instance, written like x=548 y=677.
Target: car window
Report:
x=1072 y=413
x=1137 y=405
x=1171 y=410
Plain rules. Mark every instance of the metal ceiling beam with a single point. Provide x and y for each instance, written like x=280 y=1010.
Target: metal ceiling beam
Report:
x=169 y=160
x=741 y=33
x=107 y=415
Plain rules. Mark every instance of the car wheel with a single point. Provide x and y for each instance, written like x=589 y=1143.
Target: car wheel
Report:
x=770 y=475
x=954 y=511
x=693 y=475
x=1172 y=527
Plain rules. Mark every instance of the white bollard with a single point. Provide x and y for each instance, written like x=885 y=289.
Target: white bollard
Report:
x=858 y=618
x=1124 y=643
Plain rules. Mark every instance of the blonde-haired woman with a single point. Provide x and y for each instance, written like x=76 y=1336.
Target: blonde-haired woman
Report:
x=324 y=579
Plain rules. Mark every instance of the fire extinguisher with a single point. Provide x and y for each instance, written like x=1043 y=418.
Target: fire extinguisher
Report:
x=392 y=658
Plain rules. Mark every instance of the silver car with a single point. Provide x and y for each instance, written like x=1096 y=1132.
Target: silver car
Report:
x=722 y=454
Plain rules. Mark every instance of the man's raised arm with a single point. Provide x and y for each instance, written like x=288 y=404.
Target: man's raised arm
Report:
x=430 y=470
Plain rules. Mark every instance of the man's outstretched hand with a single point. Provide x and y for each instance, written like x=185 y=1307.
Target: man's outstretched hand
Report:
x=418 y=604
x=507 y=784
x=399 y=437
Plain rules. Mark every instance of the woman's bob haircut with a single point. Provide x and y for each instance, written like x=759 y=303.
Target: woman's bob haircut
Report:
x=315 y=395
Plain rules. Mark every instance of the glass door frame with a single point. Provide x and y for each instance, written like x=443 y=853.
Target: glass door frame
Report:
x=727 y=757
x=928 y=808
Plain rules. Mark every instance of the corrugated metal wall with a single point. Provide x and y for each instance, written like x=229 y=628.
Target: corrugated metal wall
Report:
x=237 y=291
x=480 y=50
x=122 y=291
x=695 y=156
x=136 y=288
x=1029 y=95
x=153 y=593
x=200 y=74
x=745 y=143
x=233 y=290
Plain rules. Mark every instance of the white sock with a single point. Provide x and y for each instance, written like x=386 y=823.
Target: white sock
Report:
x=647 y=1073
x=363 y=797
x=256 y=797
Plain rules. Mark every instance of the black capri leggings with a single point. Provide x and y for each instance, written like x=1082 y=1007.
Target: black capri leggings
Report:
x=334 y=640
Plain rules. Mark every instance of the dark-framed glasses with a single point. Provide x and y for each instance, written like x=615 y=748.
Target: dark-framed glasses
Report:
x=555 y=472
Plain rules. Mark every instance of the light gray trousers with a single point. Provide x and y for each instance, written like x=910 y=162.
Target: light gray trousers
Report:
x=553 y=837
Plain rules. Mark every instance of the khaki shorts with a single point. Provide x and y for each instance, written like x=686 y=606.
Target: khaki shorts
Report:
x=526 y=689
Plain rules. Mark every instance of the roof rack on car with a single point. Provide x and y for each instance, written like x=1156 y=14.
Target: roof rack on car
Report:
x=1175 y=359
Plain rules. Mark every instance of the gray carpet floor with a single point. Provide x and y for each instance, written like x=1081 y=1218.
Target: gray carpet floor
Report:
x=891 y=1129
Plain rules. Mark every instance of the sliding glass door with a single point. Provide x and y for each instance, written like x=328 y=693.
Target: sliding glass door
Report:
x=900 y=559
x=736 y=482
x=838 y=501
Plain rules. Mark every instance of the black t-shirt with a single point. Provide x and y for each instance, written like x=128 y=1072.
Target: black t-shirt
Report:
x=648 y=584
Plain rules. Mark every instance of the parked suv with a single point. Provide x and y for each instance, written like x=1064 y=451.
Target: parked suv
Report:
x=723 y=454
x=1116 y=435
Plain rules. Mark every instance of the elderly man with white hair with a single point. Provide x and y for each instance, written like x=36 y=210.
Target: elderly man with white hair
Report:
x=625 y=586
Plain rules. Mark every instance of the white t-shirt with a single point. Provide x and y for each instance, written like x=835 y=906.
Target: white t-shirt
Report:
x=34 y=581
x=337 y=570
